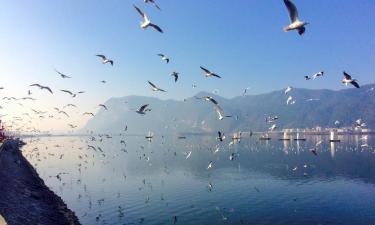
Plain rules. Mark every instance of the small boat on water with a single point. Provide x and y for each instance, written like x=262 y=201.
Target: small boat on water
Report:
x=333 y=137
x=149 y=136
x=298 y=138
x=265 y=137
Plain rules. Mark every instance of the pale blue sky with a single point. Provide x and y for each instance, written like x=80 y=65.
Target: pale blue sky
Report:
x=241 y=40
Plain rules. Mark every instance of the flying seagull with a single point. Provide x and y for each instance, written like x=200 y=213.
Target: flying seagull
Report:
x=42 y=87
x=69 y=92
x=142 y=110
x=105 y=107
x=287 y=90
x=146 y=22
x=296 y=24
x=62 y=75
x=155 y=88
x=318 y=74
x=220 y=136
x=208 y=73
x=105 y=60
x=164 y=57
x=307 y=78
x=175 y=75
x=348 y=80
x=290 y=101
x=219 y=112
x=88 y=113
x=153 y=2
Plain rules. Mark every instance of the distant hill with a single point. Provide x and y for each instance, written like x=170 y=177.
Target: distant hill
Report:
x=312 y=108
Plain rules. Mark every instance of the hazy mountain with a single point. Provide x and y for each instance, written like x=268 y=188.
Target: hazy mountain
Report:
x=248 y=112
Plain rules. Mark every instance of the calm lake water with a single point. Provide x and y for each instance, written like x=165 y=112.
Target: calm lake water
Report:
x=128 y=180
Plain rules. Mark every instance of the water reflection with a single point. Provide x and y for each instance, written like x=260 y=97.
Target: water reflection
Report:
x=127 y=179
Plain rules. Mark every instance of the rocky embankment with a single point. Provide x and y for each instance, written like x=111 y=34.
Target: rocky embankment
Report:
x=24 y=198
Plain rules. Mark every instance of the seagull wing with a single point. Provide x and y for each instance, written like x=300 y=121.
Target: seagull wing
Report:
x=292 y=9
x=142 y=108
x=161 y=55
x=111 y=62
x=152 y=85
x=204 y=69
x=49 y=89
x=36 y=85
x=139 y=11
x=66 y=91
x=355 y=84
x=102 y=56
x=347 y=76
x=214 y=101
x=215 y=75
x=156 y=27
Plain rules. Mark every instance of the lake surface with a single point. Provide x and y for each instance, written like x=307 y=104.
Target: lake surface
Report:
x=129 y=180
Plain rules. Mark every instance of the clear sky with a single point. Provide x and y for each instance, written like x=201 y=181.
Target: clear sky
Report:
x=242 y=40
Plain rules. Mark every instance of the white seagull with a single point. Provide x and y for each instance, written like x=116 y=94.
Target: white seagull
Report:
x=146 y=22
x=154 y=87
x=296 y=24
x=164 y=57
x=208 y=73
x=318 y=74
x=290 y=101
x=287 y=90
x=348 y=80
x=105 y=60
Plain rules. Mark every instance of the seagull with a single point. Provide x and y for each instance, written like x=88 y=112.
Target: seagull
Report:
x=348 y=80
x=105 y=60
x=153 y=2
x=219 y=112
x=72 y=126
x=175 y=74
x=69 y=92
x=245 y=91
x=209 y=165
x=155 y=88
x=105 y=107
x=290 y=101
x=274 y=126
x=62 y=75
x=103 y=81
x=42 y=87
x=296 y=24
x=163 y=57
x=221 y=136
x=208 y=73
x=88 y=113
x=188 y=155
x=209 y=99
x=287 y=90
x=146 y=22
x=63 y=112
x=318 y=74
x=142 y=110
x=307 y=78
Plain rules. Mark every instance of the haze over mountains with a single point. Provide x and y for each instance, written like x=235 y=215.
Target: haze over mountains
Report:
x=312 y=108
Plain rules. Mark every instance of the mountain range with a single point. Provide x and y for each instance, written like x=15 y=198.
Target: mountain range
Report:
x=312 y=108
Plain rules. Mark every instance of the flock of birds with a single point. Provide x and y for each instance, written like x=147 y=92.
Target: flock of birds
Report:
x=296 y=24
